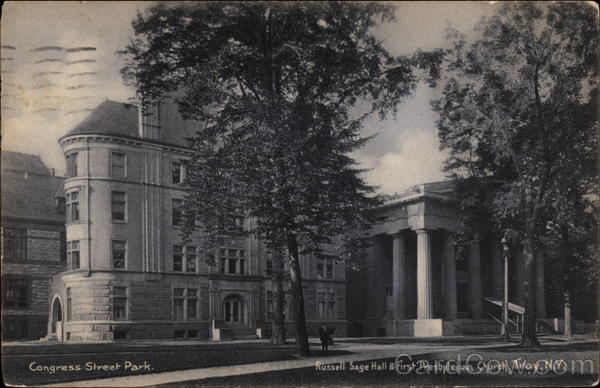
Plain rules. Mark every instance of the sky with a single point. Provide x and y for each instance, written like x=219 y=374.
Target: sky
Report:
x=47 y=91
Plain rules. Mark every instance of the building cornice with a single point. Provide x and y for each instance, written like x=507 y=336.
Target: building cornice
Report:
x=34 y=220
x=123 y=140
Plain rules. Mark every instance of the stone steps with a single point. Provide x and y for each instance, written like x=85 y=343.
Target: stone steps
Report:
x=243 y=333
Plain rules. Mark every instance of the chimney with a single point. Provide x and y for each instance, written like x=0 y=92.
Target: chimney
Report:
x=149 y=120
x=52 y=171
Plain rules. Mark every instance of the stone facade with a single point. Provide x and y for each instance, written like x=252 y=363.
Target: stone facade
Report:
x=33 y=244
x=415 y=282
x=130 y=274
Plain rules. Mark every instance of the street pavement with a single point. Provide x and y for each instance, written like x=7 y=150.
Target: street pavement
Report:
x=143 y=363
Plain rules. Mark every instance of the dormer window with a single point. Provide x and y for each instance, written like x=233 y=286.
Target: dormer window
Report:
x=61 y=205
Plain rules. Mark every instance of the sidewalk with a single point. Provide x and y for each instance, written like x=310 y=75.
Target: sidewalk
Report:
x=361 y=350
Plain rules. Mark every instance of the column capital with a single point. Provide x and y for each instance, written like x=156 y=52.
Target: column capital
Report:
x=397 y=234
x=422 y=230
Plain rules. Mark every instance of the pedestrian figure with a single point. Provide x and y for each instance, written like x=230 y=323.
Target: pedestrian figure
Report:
x=324 y=335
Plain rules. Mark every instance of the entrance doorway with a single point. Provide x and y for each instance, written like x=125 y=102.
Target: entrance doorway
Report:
x=233 y=311
x=56 y=322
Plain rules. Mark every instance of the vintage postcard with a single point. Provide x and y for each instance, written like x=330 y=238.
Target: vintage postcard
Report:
x=299 y=193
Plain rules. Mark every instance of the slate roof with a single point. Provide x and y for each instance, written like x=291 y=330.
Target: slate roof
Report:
x=121 y=119
x=109 y=118
x=16 y=161
x=28 y=189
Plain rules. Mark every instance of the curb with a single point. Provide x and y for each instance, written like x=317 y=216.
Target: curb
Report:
x=243 y=369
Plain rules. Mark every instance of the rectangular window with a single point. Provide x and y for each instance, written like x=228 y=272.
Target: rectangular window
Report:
x=119 y=254
x=176 y=212
x=118 y=204
x=192 y=303
x=69 y=306
x=178 y=303
x=232 y=265
x=118 y=165
x=16 y=294
x=185 y=303
x=326 y=305
x=233 y=261
x=235 y=224
x=119 y=303
x=185 y=261
x=177 y=258
x=72 y=164
x=176 y=173
x=269 y=264
x=191 y=259
x=329 y=268
x=73 y=206
x=325 y=267
x=179 y=334
x=60 y=205
x=73 y=261
x=14 y=244
x=14 y=328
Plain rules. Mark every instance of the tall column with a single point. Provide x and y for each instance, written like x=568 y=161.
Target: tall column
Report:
x=399 y=276
x=497 y=270
x=424 y=286
x=449 y=278
x=475 y=279
x=518 y=277
x=540 y=298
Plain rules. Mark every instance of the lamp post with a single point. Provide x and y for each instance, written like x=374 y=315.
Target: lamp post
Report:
x=504 y=329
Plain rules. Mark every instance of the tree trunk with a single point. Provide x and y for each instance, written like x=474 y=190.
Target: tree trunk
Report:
x=278 y=335
x=529 y=338
x=297 y=298
x=568 y=334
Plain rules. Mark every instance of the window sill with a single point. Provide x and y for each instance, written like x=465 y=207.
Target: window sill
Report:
x=119 y=221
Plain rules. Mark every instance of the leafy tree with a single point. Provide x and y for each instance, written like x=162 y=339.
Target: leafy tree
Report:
x=518 y=114
x=274 y=84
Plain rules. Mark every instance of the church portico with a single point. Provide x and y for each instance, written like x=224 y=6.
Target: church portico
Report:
x=417 y=280
x=423 y=290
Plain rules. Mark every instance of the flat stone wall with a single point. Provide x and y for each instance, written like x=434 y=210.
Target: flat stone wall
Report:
x=149 y=307
x=43 y=261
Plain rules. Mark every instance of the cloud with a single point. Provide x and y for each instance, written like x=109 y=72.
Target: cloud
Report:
x=416 y=159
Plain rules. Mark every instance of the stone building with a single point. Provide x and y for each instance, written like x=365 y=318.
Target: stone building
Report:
x=130 y=275
x=415 y=282
x=33 y=243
